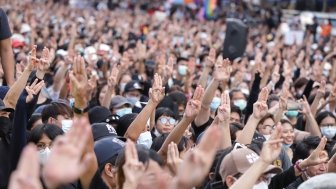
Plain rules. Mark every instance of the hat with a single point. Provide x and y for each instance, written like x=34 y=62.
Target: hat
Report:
x=3 y=107
x=18 y=40
x=25 y=28
x=326 y=180
x=133 y=85
x=102 y=130
x=118 y=101
x=107 y=148
x=99 y=114
x=240 y=160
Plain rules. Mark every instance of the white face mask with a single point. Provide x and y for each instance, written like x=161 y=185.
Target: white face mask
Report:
x=145 y=139
x=241 y=104
x=267 y=137
x=43 y=155
x=66 y=125
x=328 y=131
x=123 y=111
x=261 y=185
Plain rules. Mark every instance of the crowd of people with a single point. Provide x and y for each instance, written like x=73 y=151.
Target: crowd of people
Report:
x=139 y=95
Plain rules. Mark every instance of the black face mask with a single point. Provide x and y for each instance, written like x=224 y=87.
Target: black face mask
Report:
x=5 y=125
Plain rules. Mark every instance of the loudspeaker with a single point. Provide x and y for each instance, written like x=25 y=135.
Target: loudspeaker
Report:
x=235 y=39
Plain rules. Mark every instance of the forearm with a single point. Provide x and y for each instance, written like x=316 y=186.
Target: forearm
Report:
x=108 y=96
x=312 y=126
x=247 y=133
x=138 y=125
x=176 y=135
x=204 y=77
x=265 y=78
x=278 y=115
x=250 y=177
x=59 y=78
x=15 y=91
x=315 y=104
x=7 y=61
x=226 y=140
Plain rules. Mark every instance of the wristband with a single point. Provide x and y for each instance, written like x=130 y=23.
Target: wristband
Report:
x=297 y=165
x=80 y=111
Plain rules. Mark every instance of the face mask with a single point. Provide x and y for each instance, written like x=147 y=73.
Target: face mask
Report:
x=182 y=70
x=122 y=87
x=292 y=113
x=261 y=185
x=170 y=82
x=43 y=155
x=241 y=104
x=245 y=91
x=123 y=111
x=215 y=104
x=132 y=99
x=267 y=136
x=328 y=132
x=66 y=125
x=145 y=139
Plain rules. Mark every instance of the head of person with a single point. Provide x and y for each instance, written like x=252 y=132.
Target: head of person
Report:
x=236 y=114
x=124 y=122
x=266 y=125
x=287 y=132
x=327 y=123
x=235 y=130
x=182 y=146
x=272 y=100
x=34 y=120
x=120 y=106
x=238 y=98
x=132 y=91
x=124 y=79
x=237 y=162
x=180 y=102
x=302 y=151
x=107 y=150
x=43 y=136
x=182 y=66
x=58 y=113
x=216 y=101
x=164 y=121
x=155 y=176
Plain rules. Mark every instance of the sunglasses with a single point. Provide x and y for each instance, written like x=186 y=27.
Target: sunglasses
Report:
x=165 y=120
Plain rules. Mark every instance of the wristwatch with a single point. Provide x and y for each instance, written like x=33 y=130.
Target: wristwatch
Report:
x=80 y=111
x=297 y=165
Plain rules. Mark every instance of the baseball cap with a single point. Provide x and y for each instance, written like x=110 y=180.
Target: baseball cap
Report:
x=240 y=160
x=100 y=114
x=118 y=101
x=107 y=148
x=3 y=107
x=102 y=130
x=133 y=85
x=326 y=180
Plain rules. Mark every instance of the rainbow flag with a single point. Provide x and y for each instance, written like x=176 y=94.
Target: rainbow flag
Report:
x=209 y=6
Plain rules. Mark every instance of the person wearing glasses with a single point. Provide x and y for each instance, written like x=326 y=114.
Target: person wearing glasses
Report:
x=164 y=122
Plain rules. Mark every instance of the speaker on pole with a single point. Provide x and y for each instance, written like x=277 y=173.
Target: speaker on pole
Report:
x=235 y=38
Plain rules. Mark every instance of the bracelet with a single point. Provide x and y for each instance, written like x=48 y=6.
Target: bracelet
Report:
x=297 y=165
x=80 y=111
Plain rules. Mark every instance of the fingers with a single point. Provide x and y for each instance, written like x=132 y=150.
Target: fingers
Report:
x=38 y=87
x=219 y=61
x=276 y=134
x=212 y=53
x=199 y=92
x=29 y=164
x=322 y=144
x=263 y=95
x=276 y=69
x=225 y=98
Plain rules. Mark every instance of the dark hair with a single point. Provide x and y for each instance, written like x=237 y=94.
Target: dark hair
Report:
x=179 y=98
x=54 y=109
x=33 y=119
x=163 y=111
x=284 y=121
x=235 y=91
x=124 y=122
x=51 y=130
x=320 y=116
x=234 y=128
x=303 y=149
x=272 y=98
x=144 y=155
x=267 y=116
x=158 y=142
x=236 y=110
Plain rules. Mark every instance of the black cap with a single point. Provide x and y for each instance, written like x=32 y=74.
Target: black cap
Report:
x=99 y=114
x=4 y=108
x=102 y=130
x=133 y=85
x=107 y=148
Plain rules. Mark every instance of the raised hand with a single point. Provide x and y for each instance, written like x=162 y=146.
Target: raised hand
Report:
x=173 y=157
x=66 y=162
x=318 y=156
x=169 y=68
x=210 y=60
x=272 y=147
x=113 y=78
x=222 y=69
x=224 y=110
x=197 y=162
x=157 y=92
x=322 y=89
x=194 y=105
x=79 y=80
x=33 y=89
x=19 y=69
x=305 y=106
x=27 y=175
x=45 y=60
x=133 y=168
x=33 y=61
x=275 y=74
x=260 y=108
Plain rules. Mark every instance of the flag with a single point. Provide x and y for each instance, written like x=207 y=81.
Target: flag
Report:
x=209 y=7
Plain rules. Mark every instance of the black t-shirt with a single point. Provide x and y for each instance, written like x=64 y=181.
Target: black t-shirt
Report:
x=4 y=26
x=200 y=129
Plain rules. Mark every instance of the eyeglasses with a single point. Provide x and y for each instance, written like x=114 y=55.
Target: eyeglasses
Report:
x=165 y=120
x=268 y=127
x=328 y=125
x=42 y=146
